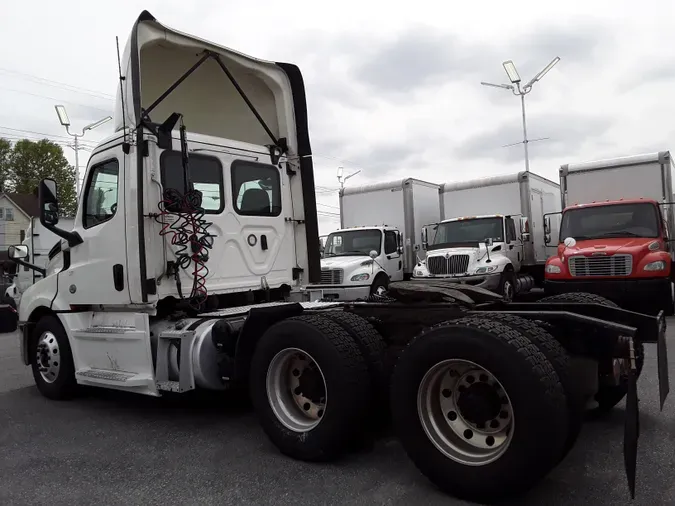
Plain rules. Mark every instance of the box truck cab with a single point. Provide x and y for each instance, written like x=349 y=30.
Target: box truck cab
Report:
x=485 y=251
x=492 y=234
x=360 y=261
x=617 y=247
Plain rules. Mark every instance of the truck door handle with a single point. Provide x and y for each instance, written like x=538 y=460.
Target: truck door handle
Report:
x=263 y=242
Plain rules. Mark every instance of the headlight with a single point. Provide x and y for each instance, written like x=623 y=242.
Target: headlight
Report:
x=552 y=269
x=485 y=270
x=419 y=273
x=659 y=265
x=361 y=277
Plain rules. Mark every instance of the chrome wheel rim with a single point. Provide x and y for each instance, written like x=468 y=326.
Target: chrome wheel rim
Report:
x=47 y=357
x=465 y=412
x=296 y=389
x=380 y=290
x=508 y=291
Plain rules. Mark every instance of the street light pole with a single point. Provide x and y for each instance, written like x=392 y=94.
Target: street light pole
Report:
x=525 y=141
x=516 y=89
x=341 y=179
x=63 y=118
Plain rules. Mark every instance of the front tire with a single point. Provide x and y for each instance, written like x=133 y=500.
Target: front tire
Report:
x=505 y=435
x=380 y=285
x=310 y=387
x=507 y=286
x=52 y=360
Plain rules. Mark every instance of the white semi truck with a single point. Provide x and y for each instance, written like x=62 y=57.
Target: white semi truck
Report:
x=39 y=242
x=187 y=268
x=378 y=239
x=492 y=233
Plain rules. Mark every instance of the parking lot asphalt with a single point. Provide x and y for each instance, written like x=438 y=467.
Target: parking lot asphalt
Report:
x=115 y=448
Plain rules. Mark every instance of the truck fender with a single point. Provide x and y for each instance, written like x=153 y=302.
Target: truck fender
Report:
x=258 y=321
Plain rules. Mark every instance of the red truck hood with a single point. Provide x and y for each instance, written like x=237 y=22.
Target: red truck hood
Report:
x=609 y=246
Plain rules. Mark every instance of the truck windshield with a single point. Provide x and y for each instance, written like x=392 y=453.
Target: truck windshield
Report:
x=615 y=220
x=353 y=242
x=464 y=232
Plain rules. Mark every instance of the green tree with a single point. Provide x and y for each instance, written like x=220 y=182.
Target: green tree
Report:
x=5 y=153
x=31 y=161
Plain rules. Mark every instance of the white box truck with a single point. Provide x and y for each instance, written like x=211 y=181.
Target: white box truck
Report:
x=615 y=232
x=492 y=232
x=378 y=238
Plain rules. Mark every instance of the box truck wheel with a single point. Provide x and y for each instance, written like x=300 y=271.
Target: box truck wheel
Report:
x=310 y=387
x=479 y=409
x=52 y=359
x=380 y=284
x=507 y=284
x=607 y=396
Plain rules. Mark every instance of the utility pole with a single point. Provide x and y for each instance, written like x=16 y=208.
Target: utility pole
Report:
x=516 y=89
x=63 y=118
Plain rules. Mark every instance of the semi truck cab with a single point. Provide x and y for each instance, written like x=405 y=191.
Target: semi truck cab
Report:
x=618 y=249
x=484 y=251
x=360 y=261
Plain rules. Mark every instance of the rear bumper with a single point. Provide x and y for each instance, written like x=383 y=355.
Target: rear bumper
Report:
x=620 y=291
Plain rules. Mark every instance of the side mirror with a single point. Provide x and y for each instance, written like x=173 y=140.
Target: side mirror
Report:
x=526 y=236
x=547 y=238
x=425 y=238
x=17 y=252
x=49 y=204
x=524 y=226
x=489 y=242
x=400 y=244
x=547 y=224
x=373 y=254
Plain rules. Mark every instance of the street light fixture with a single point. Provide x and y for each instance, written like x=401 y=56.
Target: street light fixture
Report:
x=63 y=119
x=516 y=89
x=341 y=179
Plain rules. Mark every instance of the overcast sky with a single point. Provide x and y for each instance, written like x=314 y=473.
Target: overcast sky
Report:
x=393 y=87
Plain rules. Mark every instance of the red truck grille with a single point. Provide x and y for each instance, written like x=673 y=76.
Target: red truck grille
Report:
x=454 y=264
x=614 y=265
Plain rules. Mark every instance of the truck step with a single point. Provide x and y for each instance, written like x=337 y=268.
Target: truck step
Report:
x=108 y=377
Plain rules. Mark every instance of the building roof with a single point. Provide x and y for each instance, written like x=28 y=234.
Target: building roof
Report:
x=26 y=202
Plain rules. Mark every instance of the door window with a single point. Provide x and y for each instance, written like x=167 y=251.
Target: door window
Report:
x=100 y=197
x=206 y=174
x=256 y=189
x=510 y=230
x=390 y=242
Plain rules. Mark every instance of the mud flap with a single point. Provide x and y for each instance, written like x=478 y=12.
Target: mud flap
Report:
x=662 y=360
x=632 y=425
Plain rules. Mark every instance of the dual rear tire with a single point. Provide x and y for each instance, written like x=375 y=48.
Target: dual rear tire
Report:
x=477 y=403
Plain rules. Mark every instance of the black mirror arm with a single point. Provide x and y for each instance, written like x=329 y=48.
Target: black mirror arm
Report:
x=73 y=238
x=18 y=261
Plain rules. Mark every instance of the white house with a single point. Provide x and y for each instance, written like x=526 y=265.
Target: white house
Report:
x=16 y=210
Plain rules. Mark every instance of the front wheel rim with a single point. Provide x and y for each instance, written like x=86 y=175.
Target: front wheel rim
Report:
x=47 y=357
x=465 y=412
x=508 y=291
x=296 y=390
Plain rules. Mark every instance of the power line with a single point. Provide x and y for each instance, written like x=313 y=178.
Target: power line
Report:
x=58 y=84
x=41 y=133
x=106 y=111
